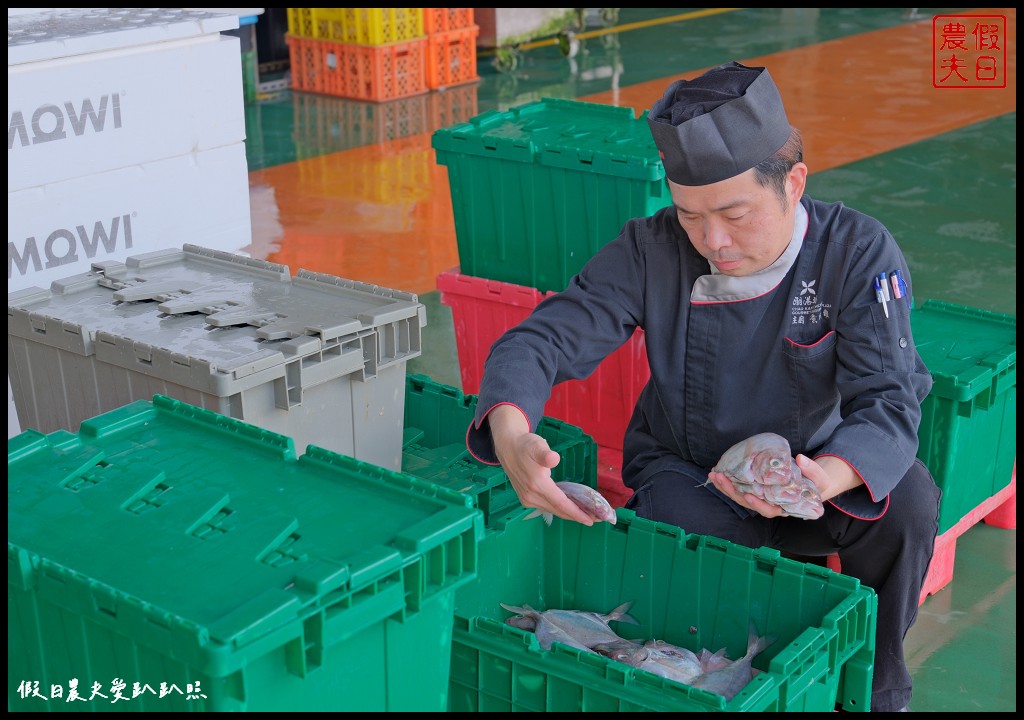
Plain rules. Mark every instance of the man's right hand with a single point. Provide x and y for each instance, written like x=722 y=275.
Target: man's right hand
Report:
x=527 y=459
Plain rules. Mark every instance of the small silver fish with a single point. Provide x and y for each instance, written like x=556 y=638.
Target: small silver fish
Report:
x=763 y=465
x=655 y=656
x=587 y=498
x=625 y=651
x=681 y=667
x=684 y=661
x=732 y=678
x=577 y=628
x=646 y=657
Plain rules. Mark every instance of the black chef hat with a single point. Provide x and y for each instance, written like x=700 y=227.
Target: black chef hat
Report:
x=718 y=125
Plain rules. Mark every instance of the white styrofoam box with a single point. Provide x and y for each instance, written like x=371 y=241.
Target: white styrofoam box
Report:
x=11 y=12
x=87 y=114
x=63 y=32
x=61 y=229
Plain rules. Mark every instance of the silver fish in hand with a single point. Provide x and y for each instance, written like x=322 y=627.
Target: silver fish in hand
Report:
x=587 y=498
x=763 y=465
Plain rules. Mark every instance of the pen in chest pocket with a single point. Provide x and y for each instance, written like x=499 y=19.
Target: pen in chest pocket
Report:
x=881 y=292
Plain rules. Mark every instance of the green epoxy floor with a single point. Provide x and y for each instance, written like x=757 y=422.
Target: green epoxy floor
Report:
x=947 y=193
x=951 y=203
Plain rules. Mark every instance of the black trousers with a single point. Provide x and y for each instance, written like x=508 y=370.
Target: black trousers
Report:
x=890 y=555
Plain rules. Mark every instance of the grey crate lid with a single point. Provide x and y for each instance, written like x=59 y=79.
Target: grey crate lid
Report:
x=234 y=313
x=66 y=32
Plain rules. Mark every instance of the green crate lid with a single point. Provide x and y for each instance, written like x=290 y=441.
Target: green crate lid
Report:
x=208 y=537
x=968 y=351
x=554 y=132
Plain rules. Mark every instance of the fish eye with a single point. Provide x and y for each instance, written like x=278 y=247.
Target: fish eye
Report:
x=775 y=463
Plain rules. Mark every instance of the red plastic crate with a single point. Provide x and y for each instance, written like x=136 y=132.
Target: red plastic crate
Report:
x=451 y=58
x=609 y=477
x=601 y=404
x=436 y=20
x=1005 y=515
x=359 y=72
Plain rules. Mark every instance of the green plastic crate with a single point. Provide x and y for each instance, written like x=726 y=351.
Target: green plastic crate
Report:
x=540 y=188
x=968 y=433
x=691 y=590
x=434 y=447
x=164 y=543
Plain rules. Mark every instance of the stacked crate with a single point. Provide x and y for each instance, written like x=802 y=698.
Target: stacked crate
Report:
x=451 y=46
x=371 y=54
x=536 y=191
x=126 y=134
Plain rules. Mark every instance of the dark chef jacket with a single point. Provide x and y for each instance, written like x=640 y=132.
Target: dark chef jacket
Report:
x=802 y=348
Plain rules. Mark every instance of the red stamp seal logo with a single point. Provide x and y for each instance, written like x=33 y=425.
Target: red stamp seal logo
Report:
x=969 y=51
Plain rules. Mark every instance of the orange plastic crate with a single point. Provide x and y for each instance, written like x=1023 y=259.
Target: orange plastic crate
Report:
x=358 y=72
x=362 y=26
x=437 y=20
x=451 y=57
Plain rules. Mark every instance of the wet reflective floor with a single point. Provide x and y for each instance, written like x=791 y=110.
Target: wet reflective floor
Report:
x=353 y=189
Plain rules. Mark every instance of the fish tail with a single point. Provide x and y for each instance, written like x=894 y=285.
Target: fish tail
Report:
x=757 y=644
x=548 y=517
x=524 y=610
x=621 y=613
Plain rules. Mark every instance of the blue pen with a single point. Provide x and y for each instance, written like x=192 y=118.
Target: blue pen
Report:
x=880 y=296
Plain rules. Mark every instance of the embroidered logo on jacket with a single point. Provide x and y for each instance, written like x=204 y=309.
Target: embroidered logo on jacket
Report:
x=807 y=306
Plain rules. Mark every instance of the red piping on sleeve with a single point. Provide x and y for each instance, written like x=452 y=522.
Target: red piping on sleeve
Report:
x=478 y=425
x=871 y=494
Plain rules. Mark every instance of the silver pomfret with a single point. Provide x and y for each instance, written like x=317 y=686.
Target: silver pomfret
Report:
x=587 y=498
x=763 y=465
x=732 y=678
x=681 y=667
x=577 y=628
x=653 y=660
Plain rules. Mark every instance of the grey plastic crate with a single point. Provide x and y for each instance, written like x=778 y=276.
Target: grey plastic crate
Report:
x=315 y=357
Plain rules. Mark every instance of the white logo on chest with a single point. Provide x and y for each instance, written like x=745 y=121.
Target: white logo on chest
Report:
x=807 y=309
